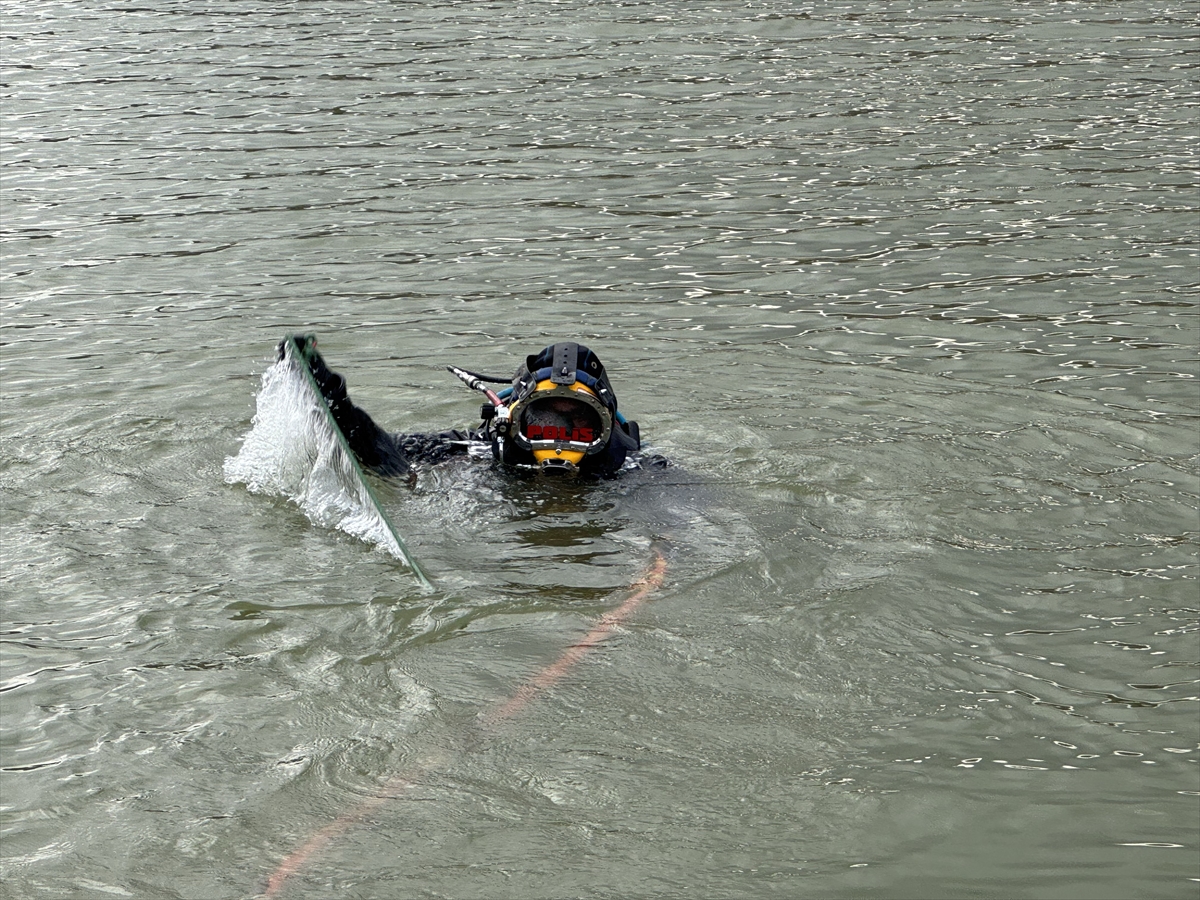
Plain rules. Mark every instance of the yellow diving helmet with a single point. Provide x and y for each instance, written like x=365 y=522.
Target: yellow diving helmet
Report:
x=560 y=424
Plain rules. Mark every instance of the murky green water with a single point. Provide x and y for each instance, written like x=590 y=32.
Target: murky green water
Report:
x=907 y=292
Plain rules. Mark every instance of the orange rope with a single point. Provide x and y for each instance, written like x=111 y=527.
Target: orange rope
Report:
x=548 y=676
x=542 y=680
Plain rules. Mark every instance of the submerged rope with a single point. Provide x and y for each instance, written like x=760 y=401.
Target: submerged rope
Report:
x=545 y=678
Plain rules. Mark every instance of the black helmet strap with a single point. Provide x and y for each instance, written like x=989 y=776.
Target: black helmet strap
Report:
x=567 y=362
x=564 y=362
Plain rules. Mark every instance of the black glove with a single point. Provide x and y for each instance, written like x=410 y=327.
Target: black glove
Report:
x=331 y=384
x=374 y=448
x=304 y=344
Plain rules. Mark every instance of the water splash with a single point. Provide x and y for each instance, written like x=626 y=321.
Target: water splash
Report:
x=294 y=450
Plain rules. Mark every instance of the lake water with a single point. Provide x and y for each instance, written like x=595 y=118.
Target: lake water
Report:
x=908 y=294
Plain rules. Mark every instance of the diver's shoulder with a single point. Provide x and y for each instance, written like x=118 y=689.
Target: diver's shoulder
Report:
x=646 y=461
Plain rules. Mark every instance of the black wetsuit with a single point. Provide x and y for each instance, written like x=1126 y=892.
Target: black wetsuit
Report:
x=394 y=454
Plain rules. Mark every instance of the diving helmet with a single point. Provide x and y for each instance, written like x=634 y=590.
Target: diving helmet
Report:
x=559 y=416
x=560 y=411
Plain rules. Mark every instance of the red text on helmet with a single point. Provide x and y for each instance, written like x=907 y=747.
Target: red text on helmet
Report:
x=558 y=433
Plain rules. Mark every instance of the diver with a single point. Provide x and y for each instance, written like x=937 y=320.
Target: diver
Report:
x=557 y=417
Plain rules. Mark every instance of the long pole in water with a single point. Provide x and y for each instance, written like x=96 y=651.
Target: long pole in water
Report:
x=298 y=363
x=545 y=678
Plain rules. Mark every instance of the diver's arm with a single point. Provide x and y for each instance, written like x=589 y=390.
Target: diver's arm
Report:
x=376 y=450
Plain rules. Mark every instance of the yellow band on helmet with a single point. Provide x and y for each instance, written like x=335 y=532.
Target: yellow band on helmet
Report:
x=574 y=457
x=546 y=386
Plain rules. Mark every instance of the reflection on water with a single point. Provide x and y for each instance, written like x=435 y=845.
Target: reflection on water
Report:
x=908 y=296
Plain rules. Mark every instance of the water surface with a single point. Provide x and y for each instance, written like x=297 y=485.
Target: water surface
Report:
x=908 y=294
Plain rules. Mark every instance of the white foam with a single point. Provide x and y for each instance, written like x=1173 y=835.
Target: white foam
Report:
x=292 y=451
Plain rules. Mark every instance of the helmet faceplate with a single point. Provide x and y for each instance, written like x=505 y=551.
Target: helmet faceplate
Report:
x=560 y=424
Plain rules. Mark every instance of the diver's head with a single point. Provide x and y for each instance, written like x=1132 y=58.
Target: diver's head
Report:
x=560 y=424
x=562 y=415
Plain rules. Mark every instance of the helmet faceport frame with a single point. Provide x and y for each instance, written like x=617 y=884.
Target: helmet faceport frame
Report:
x=563 y=449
